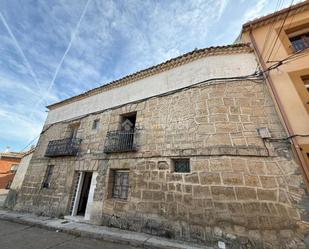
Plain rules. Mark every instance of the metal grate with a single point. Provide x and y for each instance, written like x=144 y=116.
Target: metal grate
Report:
x=120 y=141
x=63 y=147
x=120 y=184
x=181 y=165
x=300 y=42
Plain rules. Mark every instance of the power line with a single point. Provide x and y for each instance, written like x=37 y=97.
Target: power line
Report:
x=281 y=27
x=270 y=28
x=252 y=77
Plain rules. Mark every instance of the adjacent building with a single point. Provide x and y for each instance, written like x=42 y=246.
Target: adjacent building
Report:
x=189 y=149
x=281 y=43
x=9 y=162
x=18 y=179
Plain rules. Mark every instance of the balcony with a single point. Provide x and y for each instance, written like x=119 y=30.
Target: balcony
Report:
x=63 y=147
x=121 y=141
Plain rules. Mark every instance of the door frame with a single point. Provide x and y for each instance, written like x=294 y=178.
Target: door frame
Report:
x=92 y=187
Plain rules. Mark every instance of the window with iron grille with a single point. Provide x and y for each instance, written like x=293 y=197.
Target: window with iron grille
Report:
x=181 y=165
x=300 y=42
x=48 y=176
x=120 y=184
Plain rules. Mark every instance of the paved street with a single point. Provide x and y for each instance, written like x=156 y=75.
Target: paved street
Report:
x=17 y=236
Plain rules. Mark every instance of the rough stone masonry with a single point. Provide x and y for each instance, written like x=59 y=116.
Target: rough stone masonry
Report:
x=240 y=188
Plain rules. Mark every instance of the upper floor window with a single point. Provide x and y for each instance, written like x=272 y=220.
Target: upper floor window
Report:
x=299 y=38
x=300 y=42
x=128 y=121
x=73 y=130
x=95 y=124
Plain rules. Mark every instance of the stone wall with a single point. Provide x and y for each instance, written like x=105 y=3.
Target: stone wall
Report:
x=241 y=189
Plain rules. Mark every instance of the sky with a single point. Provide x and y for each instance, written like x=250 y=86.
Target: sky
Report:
x=54 y=49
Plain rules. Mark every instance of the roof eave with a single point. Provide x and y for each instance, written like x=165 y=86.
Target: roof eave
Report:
x=174 y=62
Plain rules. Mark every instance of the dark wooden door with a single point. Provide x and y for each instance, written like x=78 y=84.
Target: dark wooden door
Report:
x=84 y=194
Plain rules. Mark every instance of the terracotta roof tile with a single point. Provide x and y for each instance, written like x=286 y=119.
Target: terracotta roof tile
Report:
x=278 y=15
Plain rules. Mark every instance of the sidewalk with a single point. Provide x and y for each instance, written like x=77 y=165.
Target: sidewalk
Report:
x=97 y=232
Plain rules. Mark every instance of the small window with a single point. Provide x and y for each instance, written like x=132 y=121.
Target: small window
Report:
x=14 y=168
x=48 y=176
x=95 y=124
x=120 y=184
x=181 y=165
x=300 y=42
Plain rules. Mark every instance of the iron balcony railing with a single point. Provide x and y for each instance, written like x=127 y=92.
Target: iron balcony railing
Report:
x=63 y=147
x=121 y=141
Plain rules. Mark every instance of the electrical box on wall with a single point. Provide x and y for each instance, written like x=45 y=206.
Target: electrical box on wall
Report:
x=264 y=132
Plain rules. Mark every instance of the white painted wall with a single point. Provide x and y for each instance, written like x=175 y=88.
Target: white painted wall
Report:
x=21 y=172
x=202 y=69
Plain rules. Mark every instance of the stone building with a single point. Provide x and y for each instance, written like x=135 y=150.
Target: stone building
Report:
x=188 y=149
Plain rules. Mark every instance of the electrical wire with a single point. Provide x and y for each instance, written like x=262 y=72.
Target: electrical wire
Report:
x=255 y=77
x=287 y=138
x=281 y=27
x=270 y=28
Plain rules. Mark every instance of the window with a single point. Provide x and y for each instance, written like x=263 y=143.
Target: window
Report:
x=300 y=42
x=181 y=165
x=128 y=121
x=120 y=184
x=73 y=128
x=306 y=82
x=95 y=124
x=14 y=168
x=48 y=176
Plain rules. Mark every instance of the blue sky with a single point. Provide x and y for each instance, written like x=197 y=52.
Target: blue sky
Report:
x=54 y=49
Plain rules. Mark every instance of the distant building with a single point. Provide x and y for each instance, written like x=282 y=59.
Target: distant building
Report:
x=281 y=41
x=9 y=162
x=18 y=178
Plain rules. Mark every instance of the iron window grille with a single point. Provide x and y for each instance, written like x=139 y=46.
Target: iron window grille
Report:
x=63 y=147
x=120 y=184
x=181 y=165
x=121 y=141
x=300 y=42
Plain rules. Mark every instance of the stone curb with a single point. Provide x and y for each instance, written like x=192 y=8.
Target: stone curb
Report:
x=115 y=235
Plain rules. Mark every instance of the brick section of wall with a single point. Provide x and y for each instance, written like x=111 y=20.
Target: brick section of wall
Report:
x=241 y=189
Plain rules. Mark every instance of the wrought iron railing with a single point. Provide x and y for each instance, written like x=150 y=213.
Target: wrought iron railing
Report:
x=63 y=147
x=121 y=141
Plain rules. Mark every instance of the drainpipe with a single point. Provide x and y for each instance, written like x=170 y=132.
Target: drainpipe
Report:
x=286 y=122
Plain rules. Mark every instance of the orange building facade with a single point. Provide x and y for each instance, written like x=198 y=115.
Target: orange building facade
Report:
x=9 y=162
x=281 y=43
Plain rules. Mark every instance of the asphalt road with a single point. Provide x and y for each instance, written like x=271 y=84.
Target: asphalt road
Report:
x=18 y=236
